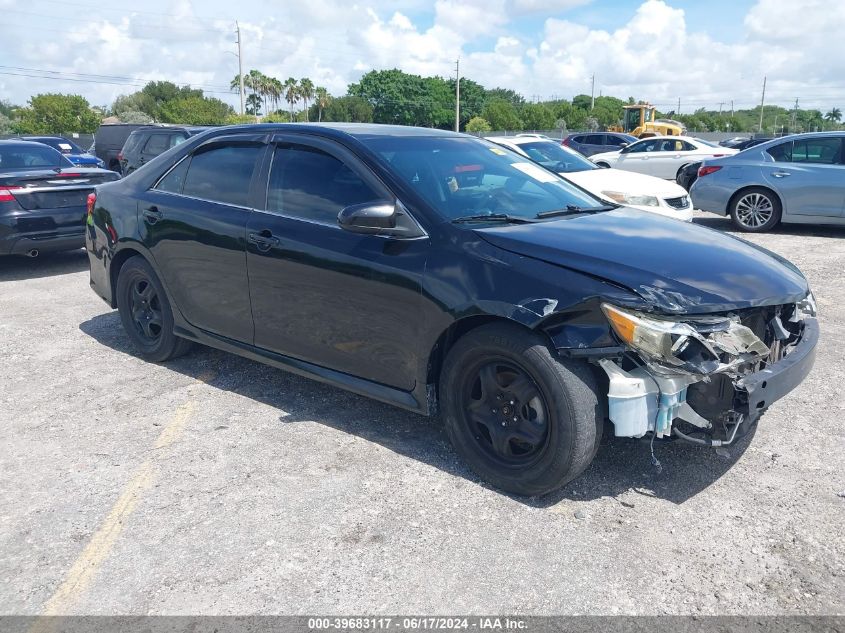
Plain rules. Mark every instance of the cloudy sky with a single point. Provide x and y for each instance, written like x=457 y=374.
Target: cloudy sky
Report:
x=704 y=52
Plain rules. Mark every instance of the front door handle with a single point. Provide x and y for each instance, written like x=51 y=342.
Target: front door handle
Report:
x=263 y=240
x=781 y=174
x=152 y=214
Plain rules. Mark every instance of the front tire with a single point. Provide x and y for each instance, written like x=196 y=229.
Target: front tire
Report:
x=145 y=312
x=755 y=210
x=525 y=420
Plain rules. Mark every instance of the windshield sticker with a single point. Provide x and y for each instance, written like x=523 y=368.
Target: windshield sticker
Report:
x=537 y=173
x=498 y=151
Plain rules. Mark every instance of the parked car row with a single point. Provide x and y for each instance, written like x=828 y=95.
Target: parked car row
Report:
x=661 y=156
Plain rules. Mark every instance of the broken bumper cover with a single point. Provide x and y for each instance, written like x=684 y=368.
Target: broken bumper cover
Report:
x=643 y=400
x=778 y=379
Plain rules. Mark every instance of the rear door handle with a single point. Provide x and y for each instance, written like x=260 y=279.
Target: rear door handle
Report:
x=781 y=174
x=152 y=214
x=263 y=240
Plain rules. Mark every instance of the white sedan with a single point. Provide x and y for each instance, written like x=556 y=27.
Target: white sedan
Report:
x=661 y=156
x=633 y=190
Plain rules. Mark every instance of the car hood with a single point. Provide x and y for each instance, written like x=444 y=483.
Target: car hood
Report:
x=677 y=268
x=598 y=180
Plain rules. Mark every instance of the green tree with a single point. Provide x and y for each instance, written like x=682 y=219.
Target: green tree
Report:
x=6 y=126
x=291 y=94
x=349 y=108
x=196 y=111
x=322 y=98
x=477 y=125
x=56 y=114
x=404 y=99
x=473 y=98
x=506 y=94
x=538 y=116
x=306 y=93
x=833 y=116
x=253 y=104
x=502 y=115
x=134 y=116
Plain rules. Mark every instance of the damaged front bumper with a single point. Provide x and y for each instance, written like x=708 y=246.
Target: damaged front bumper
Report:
x=649 y=398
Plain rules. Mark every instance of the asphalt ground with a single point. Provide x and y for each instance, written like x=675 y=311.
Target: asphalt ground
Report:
x=215 y=485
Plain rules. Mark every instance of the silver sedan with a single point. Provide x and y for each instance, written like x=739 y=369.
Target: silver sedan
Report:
x=798 y=179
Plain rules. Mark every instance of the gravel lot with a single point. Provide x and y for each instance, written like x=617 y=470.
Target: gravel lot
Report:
x=216 y=485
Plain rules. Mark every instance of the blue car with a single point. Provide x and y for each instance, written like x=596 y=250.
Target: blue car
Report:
x=795 y=179
x=69 y=150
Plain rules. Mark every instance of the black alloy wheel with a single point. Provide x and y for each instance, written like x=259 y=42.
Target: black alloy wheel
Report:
x=506 y=413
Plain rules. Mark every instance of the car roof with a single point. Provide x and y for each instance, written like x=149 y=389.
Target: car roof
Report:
x=359 y=131
x=23 y=142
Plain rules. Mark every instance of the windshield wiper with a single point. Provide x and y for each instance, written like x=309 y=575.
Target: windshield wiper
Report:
x=493 y=217
x=571 y=208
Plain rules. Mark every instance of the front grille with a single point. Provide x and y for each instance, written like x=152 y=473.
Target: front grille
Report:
x=678 y=203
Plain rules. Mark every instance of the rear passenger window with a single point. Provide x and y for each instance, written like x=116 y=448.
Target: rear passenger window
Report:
x=310 y=184
x=594 y=139
x=175 y=178
x=614 y=140
x=222 y=174
x=823 y=151
x=157 y=144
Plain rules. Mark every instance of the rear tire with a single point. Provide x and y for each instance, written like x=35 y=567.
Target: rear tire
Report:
x=755 y=210
x=145 y=312
x=524 y=419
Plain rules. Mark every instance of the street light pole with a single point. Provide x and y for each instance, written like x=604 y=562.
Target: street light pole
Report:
x=240 y=67
x=458 y=95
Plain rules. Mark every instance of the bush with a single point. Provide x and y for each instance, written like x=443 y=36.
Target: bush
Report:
x=478 y=125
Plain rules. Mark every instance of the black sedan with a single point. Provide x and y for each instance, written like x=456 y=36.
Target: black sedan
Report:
x=439 y=272
x=43 y=198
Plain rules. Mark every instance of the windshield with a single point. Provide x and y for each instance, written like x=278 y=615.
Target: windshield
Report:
x=466 y=176
x=31 y=156
x=556 y=157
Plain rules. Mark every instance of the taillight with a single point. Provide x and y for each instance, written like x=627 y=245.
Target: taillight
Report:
x=565 y=142
x=6 y=194
x=67 y=174
x=90 y=202
x=718 y=155
x=705 y=170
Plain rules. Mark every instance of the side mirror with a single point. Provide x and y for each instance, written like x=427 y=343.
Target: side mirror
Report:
x=624 y=144
x=370 y=217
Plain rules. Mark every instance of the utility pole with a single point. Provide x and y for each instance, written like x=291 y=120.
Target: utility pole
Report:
x=240 y=66
x=721 y=103
x=762 y=105
x=458 y=95
x=794 y=114
x=678 y=111
x=593 y=92
x=732 y=108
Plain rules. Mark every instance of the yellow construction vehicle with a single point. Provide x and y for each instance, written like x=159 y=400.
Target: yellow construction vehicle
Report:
x=639 y=121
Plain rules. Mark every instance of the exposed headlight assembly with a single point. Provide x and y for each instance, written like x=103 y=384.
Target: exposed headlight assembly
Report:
x=805 y=308
x=710 y=345
x=627 y=198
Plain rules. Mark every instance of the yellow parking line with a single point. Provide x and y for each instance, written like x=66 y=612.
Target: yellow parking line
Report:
x=88 y=563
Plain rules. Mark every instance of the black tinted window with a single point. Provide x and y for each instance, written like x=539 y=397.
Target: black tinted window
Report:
x=615 y=140
x=594 y=139
x=33 y=156
x=310 y=184
x=174 y=180
x=222 y=174
x=823 y=151
x=157 y=144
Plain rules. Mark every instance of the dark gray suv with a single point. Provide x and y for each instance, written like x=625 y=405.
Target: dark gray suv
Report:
x=146 y=143
x=589 y=143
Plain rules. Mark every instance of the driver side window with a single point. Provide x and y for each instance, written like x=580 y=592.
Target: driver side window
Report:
x=310 y=184
x=645 y=146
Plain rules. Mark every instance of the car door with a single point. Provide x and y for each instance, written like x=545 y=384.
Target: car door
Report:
x=345 y=301
x=809 y=176
x=638 y=156
x=193 y=221
x=594 y=144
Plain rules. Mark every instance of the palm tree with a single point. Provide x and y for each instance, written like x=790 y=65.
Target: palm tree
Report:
x=323 y=99
x=291 y=93
x=835 y=115
x=306 y=91
x=257 y=85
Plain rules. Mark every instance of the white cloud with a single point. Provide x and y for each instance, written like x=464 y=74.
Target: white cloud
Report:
x=656 y=55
